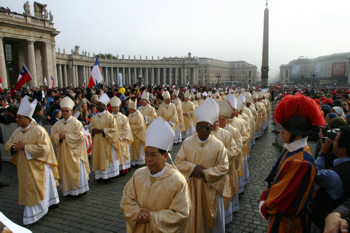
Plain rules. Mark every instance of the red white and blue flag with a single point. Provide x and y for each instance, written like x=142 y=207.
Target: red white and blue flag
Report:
x=53 y=82
x=96 y=76
x=23 y=77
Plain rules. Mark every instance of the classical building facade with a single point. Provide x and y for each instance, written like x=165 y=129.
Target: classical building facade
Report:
x=329 y=69
x=30 y=39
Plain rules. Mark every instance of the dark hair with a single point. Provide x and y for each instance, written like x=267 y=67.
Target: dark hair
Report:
x=344 y=139
x=38 y=108
x=337 y=103
x=162 y=152
x=57 y=97
x=336 y=123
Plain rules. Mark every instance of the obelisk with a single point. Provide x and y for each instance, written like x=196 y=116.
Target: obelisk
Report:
x=265 y=52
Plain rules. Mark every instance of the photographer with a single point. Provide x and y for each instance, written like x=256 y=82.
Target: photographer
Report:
x=334 y=183
x=329 y=131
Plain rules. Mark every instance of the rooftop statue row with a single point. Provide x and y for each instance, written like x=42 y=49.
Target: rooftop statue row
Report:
x=40 y=11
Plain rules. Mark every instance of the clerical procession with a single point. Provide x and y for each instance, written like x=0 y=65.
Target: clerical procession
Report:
x=126 y=130
x=93 y=151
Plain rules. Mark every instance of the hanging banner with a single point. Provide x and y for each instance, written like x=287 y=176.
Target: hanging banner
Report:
x=338 y=69
x=120 y=79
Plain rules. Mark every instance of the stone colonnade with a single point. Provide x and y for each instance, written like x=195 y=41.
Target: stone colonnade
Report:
x=31 y=45
x=77 y=75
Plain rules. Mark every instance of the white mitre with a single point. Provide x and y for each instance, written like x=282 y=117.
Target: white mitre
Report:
x=159 y=134
x=239 y=105
x=176 y=93
x=132 y=104
x=67 y=102
x=242 y=98
x=208 y=111
x=26 y=108
x=187 y=95
x=145 y=95
x=104 y=99
x=225 y=109
x=232 y=100
x=115 y=101
x=166 y=95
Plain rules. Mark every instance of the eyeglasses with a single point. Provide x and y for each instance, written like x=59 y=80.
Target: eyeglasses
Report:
x=201 y=127
x=151 y=155
x=65 y=110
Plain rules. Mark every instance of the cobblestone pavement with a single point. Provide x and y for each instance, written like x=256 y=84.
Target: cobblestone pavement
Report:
x=99 y=211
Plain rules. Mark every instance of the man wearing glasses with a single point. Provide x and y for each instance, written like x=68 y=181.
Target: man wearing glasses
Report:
x=73 y=164
x=156 y=198
x=203 y=161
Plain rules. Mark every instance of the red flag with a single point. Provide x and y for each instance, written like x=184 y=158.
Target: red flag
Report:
x=23 y=77
x=277 y=86
x=1 y=91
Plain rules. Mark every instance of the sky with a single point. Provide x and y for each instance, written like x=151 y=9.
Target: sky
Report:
x=229 y=30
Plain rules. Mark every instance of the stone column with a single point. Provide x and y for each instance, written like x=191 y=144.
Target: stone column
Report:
x=147 y=81
x=129 y=76
x=3 y=73
x=66 y=84
x=158 y=76
x=124 y=79
x=170 y=76
x=74 y=76
x=135 y=74
x=194 y=73
x=104 y=74
x=76 y=81
x=60 y=84
x=152 y=77
x=112 y=77
x=87 y=74
x=84 y=75
x=176 y=78
x=183 y=76
x=118 y=81
x=164 y=76
x=31 y=63
x=54 y=74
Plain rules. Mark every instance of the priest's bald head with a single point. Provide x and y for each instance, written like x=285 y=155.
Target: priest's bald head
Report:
x=158 y=139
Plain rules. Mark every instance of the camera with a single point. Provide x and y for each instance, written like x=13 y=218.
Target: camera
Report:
x=331 y=134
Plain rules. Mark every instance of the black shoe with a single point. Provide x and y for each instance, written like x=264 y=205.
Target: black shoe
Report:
x=2 y=184
x=51 y=207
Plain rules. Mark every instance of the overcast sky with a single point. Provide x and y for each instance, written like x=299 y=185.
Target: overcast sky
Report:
x=228 y=30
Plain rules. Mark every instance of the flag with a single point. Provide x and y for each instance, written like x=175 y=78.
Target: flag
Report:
x=277 y=86
x=45 y=81
x=1 y=91
x=96 y=76
x=23 y=77
x=53 y=82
